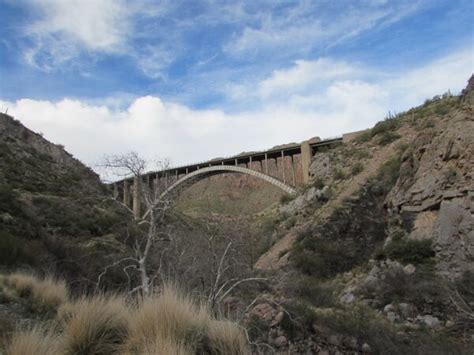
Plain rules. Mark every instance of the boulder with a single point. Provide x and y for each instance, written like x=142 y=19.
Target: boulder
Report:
x=430 y=321
x=407 y=310
x=280 y=341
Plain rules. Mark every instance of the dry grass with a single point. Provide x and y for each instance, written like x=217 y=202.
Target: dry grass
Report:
x=37 y=341
x=169 y=316
x=49 y=293
x=225 y=337
x=46 y=294
x=23 y=283
x=96 y=325
x=165 y=323
x=164 y=347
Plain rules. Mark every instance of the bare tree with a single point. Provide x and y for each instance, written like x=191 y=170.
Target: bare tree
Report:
x=150 y=220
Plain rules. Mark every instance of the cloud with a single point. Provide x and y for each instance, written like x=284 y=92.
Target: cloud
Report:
x=446 y=73
x=309 y=25
x=303 y=74
x=97 y=25
x=65 y=30
x=160 y=128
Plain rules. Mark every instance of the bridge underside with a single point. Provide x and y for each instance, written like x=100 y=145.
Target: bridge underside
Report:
x=285 y=167
x=198 y=175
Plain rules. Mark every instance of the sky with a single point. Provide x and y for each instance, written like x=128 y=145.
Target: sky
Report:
x=191 y=80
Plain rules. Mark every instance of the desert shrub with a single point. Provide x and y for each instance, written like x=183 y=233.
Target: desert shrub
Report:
x=357 y=168
x=224 y=337
x=291 y=222
x=410 y=251
x=37 y=340
x=465 y=286
x=388 y=137
x=361 y=154
x=423 y=289
x=389 y=172
x=363 y=324
x=297 y=319
x=387 y=125
x=12 y=251
x=168 y=315
x=339 y=174
x=324 y=258
x=311 y=290
x=285 y=198
x=364 y=137
x=318 y=183
x=98 y=325
x=442 y=109
x=256 y=327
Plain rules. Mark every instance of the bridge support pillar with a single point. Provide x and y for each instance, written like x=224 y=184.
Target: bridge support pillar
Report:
x=283 y=166
x=306 y=156
x=293 y=173
x=116 y=191
x=126 y=193
x=137 y=181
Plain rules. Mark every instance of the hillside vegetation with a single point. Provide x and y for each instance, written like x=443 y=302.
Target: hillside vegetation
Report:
x=374 y=256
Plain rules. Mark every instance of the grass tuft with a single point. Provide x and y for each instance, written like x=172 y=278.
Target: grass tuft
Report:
x=170 y=316
x=97 y=325
x=225 y=337
x=46 y=294
x=37 y=341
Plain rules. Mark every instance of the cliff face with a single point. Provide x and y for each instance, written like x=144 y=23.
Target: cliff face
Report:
x=434 y=194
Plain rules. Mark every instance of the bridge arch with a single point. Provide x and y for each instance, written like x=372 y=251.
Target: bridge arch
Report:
x=200 y=174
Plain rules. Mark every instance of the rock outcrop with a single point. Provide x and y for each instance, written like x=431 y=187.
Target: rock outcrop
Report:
x=434 y=195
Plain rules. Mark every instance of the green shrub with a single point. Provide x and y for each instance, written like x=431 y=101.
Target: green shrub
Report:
x=364 y=137
x=361 y=154
x=285 y=198
x=12 y=251
x=410 y=251
x=423 y=289
x=389 y=124
x=339 y=174
x=324 y=258
x=298 y=319
x=312 y=291
x=318 y=183
x=257 y=327
x=388 y=137
x=357 y=168
x=389 y=172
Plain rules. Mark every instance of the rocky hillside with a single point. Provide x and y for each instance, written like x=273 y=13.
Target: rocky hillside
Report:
x=52 y=207
x=377 y=254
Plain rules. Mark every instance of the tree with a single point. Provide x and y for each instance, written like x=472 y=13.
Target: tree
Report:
x=150 y=220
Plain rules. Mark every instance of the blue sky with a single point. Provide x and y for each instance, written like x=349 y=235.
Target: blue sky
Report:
x=190 y=80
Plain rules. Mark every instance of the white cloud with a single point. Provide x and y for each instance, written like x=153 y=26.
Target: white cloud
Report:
x=309 y=25
x=303 y=74
x=447 y=73
x=98 y=25
x=154 y=127
x=65 y=29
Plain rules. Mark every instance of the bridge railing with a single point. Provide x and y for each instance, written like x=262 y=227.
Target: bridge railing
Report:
x=256 y=152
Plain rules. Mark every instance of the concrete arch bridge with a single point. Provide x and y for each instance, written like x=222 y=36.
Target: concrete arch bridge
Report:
x=286 y=167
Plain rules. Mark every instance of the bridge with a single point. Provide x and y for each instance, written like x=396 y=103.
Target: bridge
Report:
x=285 y=167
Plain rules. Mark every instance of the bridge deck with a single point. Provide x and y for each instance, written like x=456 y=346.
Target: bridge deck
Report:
x=243 y=158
